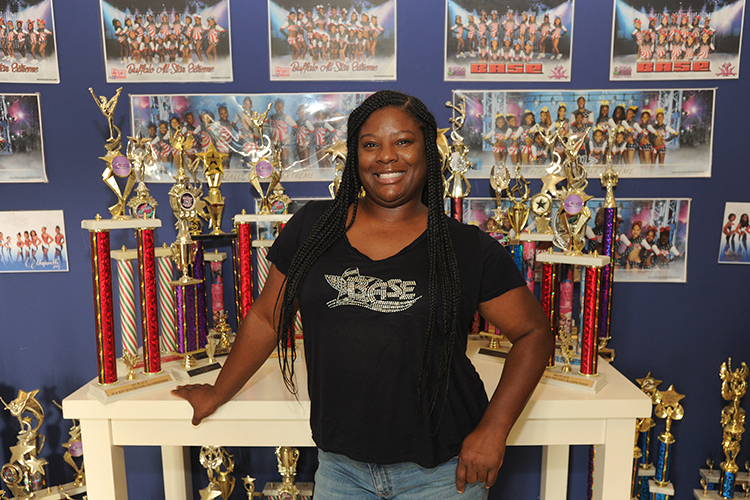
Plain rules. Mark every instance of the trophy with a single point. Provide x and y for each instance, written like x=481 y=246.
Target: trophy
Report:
x=141 y=156
x=568 y=343
x=668 y=408
x=213 y=169
x=499 y=180
x=74 y=449
x=219 y=465
x=26 y=473
x=733 y=388
x=287 y=458
x=457 y=186
x=250 y=488
x=117 y=164
x=337 y=154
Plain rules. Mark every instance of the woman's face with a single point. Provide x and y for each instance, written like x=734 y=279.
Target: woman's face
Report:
x=636 y=231
x=392 y=157
x=660 y=118
x=561 y=113
x=629 y=114
x=174 y=123
x=529 y=119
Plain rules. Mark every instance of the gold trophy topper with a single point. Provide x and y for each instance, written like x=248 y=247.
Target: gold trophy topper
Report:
x=519 y=196
x=213 y=169
x=733 y=388
x=142 y=156
x=117 y=164
x=499 y=180
x=457 y=163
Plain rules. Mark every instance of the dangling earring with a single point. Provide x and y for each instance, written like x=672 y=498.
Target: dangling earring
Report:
x=362 y=192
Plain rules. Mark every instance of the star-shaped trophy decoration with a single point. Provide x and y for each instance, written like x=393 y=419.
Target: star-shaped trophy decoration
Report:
x=669 y=406
x=25 y=472
x=142 y=156
x=649 y=385
x=213 y=169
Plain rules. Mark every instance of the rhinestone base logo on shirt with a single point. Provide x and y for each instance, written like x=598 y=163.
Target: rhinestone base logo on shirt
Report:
x=390 y=296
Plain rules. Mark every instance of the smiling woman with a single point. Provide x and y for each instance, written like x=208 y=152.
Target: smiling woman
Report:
x=387 y=285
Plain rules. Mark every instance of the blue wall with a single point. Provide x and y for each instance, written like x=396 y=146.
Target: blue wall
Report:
x=680 y=332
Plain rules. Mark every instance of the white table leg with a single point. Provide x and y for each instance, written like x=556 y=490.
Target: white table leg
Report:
x=613 y=463
x=105 y=462
x=178 y=484
x=554 y=472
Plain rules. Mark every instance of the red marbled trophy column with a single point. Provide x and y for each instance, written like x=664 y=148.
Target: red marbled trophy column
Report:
x=243 y=269
x=589 y=333
x=103 y=309
x=149 y=302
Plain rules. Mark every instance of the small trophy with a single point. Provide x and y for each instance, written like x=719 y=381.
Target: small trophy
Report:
x=733 y=389
x=568 y=343
x=250 y=488
x=519 y=197
x=337 y=154
x=287 y=458
x=131 y=361
x=26 y=473
x=457 y=186
x=213 y=169
x=74 y=449
x=117 y=164
x=668 y=408
x=219 y=465
x=141 y=156
x=499 y=180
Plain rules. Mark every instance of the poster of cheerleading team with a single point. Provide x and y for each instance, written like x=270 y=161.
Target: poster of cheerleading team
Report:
x=518 y=40
x=676 y=40
x=657 y=133
x=27 y=41
x=651 y=235
x=735 y=228
x=342 y=40
x=21 y=145
x=305 y=125
x=33 y=241
x=172 y=41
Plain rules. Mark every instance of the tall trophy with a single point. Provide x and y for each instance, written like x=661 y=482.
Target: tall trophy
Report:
x=733 y=389
x=668 y=408
x=457 y=163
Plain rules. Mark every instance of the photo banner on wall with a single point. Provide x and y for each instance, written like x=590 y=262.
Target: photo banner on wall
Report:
x=651 y=238
x=27 y=35
x=676 y=40
x=21 y=142
x=735 y=231
x=342 y=40
x=166 y=41
x=33 y=241
x=659 y=133
x=306 y=125
x=513 y=41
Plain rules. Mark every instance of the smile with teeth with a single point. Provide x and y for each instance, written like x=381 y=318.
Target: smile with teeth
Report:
x=389 y=175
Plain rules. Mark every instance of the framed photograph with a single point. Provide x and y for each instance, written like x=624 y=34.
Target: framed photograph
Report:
x=659 y=133
x=33 y=241
x=513 y=41
x=344 y=40
x=27 y=40
x=675 y=40
x=21 y=144
x=735 y=227
x=172 y=41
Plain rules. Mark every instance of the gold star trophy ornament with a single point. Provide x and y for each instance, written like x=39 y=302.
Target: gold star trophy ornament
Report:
x=213 y=169
x=573 y=216
x=142 y=156
x=668 y=408
x=25 y=472
x=337 y=154
x=118 y=165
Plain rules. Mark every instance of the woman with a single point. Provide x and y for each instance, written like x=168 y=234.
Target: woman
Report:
x=558 y=30
x=409 y=366
x=458 y=29
x=661 y=133
x=644 y=139
x=497 y=139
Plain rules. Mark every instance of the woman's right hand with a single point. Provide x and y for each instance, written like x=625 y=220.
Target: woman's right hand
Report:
x=201 y=398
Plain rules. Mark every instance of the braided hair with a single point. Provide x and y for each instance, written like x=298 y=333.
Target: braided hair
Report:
x=444 y=280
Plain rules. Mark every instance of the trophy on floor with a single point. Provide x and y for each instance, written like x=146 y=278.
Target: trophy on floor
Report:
x=733 y=389
x=287 y=458
x=219 y=467
x=26 y=473
x=668 y=408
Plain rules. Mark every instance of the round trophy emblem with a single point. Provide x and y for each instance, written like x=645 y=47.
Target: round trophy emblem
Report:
x=264 y=169
x=121 y=166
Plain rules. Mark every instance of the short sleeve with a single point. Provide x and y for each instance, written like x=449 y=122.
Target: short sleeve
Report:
x=294 y=234
x=500 y=273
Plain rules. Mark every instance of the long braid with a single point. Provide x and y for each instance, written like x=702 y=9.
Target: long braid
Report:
x=443 y=280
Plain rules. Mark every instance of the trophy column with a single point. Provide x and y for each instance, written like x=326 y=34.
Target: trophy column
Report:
x=549 y=297
x=149 y=302
x=242 y=251
x=589 y=337
x=103 y=307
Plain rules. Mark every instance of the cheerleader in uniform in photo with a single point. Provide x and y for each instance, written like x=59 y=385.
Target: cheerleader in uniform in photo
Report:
x=138 y=27
x=459 y=29
x=742 y=228
x=545 y=120
x=706 y=47
x=3 y=39
x=33 y=43
x=484 y=51
x=544 y=31
x=282 y=128
x=729 y=230
x=558 y=30
x=619 y=148
x=495 y=52
x=662 y=47
x=147 y=49
x=177 y=26
x=635 y=246
x=509 y=25
x=159 y=49
x=598 y=146
x=666 y=252
x=163 y=148
x=471 y=34
x=562 y=126
x=122 y=38
x=289 y=30
x=494 y=27
x=646 y=52
x=676 y=48
x=618 y=117
x=506 y=52
x=603 y=120
x=661 y=133
x=197 y=35
x=685 y=27
x=322 y=130
x=594 y=235
x=19 y=248
x=644 y=139
x=151 y=27
x=525 y=136
x=186 y=50
x=517 y=52
x=637 y=34
x=305 y=131
x=215 y=33
x=35 y=244
x=539 y=155
x=497 y=139
x=528 y=52
x=578 y=130
x=302 y=23
x=482 y=27
x=10 y=41
x=691 y=48
x=532 y=30
x=343 y=42
x=20 y=40
x=135 y=53
x=375 y=32
x=26 y=246
x=187 y=28
x=164 y=28
x=523 y=28
x=8 y=249
x=511 y=140
x=632 y=131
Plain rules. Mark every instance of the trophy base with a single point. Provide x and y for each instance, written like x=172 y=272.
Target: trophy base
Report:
x=667 y=489
x=710 y=494
x=576 y=260
x=535 y=237
x=271 y=491
x=649 y=471
x=124 y=388
x=191 y=374
x=55 y=492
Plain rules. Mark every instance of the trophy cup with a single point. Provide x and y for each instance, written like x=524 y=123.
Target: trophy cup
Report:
x=287 y=458
x=141 y=156
x=26 y=473
x=668 y=408
x=499 y=180
x=457 y=186
x=213 y=169
x=117 y=164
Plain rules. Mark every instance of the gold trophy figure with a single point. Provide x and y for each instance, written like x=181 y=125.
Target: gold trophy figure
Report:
x=287 y=458
x=733 y=389
x=142 y=156
x=499 y=180
x=457 y=163
x=74 y=448
x=117 y=164
x=519 y=197
x=668 y=408
x=25 y=473
x=250 y=488
x=568 y=343
x=213 y=169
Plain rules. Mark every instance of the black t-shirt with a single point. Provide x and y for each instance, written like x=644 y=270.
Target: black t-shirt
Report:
x=364 y=325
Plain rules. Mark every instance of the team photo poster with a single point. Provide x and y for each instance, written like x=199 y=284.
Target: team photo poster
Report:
x=27 y=41
x=651 y=235
x=33 y=241
x=735 y=229
x=305 y=125
x=342 y=40
x=21 y=144
x=516 y=41
x=166 y=41
x=658 y=133
x=676 y=40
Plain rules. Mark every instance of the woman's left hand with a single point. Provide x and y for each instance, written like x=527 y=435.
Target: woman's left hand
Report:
x=480 y=459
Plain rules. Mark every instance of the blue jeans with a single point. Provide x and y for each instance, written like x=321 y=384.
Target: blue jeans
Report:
x=340 y=478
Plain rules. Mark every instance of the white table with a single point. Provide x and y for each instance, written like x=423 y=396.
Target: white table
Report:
x=265 y=414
